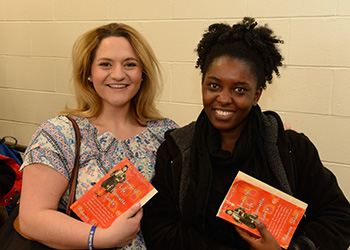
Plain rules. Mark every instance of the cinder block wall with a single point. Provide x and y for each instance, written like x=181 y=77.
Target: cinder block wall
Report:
x=312 y=94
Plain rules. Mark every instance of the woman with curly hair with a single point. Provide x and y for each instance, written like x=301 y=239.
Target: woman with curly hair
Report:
x=197 y=163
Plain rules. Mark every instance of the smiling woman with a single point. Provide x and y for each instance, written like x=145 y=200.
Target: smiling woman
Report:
x=83 y=55
x=116 y=77
x=197 y=164
x=229 y=91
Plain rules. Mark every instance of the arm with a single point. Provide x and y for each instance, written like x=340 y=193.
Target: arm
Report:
x=327 y=222
x=40 y=220
x=163 y=226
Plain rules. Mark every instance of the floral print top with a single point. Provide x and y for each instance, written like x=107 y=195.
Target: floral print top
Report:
x=53 y=144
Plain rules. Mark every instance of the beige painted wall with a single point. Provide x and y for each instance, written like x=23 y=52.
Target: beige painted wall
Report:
x=312 y=94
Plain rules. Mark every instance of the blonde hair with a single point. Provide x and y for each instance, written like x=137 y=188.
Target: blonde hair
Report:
x=88 y=101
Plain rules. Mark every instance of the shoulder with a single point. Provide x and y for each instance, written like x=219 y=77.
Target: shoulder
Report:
x=60 y=125
x=166 y=123
x=54 y=130
x=52 y=144
x=303 y=150
x=182 y=137
x=160 y=126
x=54 y=126
x=179 y=133
x=289 y=136
x=299 y=141
x=61 y=122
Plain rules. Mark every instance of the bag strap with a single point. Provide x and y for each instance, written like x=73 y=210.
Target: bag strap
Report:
x=73 y=179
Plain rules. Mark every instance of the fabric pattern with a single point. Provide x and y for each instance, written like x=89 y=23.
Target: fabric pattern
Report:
x=53 y=144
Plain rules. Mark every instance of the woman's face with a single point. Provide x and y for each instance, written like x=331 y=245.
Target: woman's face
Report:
x=229 y=91
x=116 y=72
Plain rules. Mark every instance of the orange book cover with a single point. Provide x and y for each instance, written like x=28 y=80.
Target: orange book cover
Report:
x=115 y=193
x=249 y=199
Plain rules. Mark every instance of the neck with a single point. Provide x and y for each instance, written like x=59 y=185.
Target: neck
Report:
x=120 y=122
x=229 y=138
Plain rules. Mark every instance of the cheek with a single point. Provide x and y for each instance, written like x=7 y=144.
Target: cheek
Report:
x=138 y=75
x=207 y=97
x=245 y=102
x=98 y=75
x=138 y=71
x=137 y=82
x=206 y=101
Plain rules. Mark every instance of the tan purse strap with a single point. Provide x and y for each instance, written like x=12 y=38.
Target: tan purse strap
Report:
x=73 y=179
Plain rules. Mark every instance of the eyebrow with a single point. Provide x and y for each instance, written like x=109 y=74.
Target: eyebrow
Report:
x=109 y=59
x=214 y=78
x=131 y=59
x=217 y=79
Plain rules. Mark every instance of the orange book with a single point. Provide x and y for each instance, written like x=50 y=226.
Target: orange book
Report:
x=249 y=199
x=115 y=193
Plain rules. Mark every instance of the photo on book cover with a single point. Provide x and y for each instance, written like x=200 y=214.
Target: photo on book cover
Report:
x=117 y=176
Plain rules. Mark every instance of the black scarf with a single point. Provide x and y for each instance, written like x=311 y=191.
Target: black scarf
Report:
x=254 y=152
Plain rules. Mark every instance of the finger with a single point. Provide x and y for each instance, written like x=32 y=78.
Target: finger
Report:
x=262 y=229
x=266 y=237
x=133 y=210
x=240 y=231
x=245 y=235
x=139 y=214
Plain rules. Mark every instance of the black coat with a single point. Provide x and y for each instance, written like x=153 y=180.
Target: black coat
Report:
x=168 y=220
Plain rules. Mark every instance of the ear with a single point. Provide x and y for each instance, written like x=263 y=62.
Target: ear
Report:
x=257 y=96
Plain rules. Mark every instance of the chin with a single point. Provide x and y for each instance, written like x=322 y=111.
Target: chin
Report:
x=222 y=128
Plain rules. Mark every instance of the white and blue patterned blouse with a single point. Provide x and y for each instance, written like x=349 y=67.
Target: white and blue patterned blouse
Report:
x=53 y=144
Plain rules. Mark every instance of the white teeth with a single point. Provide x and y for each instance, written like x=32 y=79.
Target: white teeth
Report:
x=117 y=86
x=221 y=112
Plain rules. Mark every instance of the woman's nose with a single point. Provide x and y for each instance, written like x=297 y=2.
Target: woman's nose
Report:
x=117 y=73
x=224 y=97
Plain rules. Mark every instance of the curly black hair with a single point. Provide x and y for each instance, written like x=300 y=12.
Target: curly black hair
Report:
x=256 y=45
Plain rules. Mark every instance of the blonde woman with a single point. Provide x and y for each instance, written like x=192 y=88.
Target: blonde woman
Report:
x=116 y=77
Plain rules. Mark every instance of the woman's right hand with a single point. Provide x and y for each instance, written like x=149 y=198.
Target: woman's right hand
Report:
x=42 y=189
x=122 y=231
x=266 y=241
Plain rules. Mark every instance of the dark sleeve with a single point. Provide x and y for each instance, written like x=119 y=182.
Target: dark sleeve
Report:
x=327 y=222
x=162 y=226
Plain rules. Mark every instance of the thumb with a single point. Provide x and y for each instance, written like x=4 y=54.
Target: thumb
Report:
x=133 y=210
x=262 y=229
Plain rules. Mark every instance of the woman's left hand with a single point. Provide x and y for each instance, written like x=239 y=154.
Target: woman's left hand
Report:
x=266 y=242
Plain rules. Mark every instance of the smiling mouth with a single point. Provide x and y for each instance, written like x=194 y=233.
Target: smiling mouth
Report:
x=223 y=113
x=117 y=86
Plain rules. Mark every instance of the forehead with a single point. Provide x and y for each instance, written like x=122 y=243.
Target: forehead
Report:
x=232 y=69
x=115 y=46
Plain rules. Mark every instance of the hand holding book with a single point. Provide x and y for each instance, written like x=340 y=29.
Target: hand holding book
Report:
x=249 y=199
x=266 y=241
x=124 y=228
x=113 y=195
